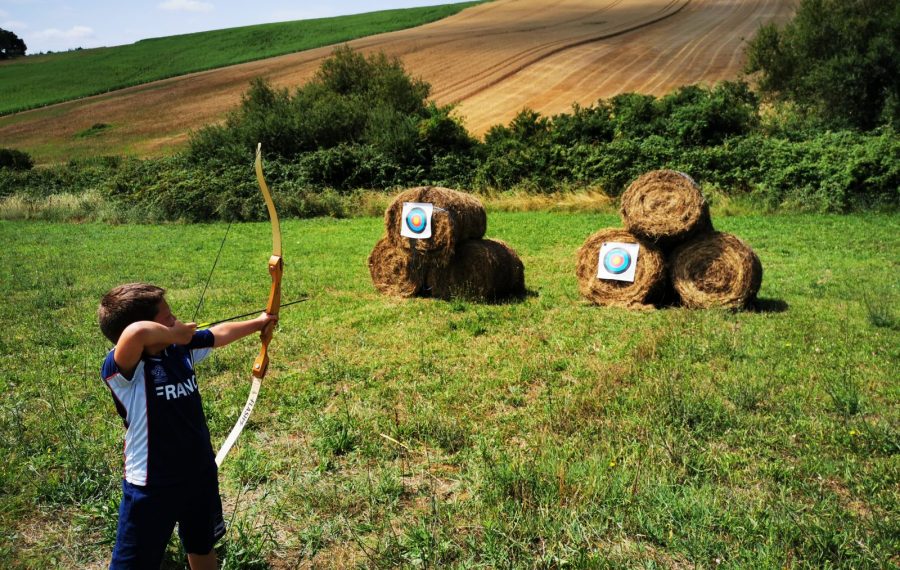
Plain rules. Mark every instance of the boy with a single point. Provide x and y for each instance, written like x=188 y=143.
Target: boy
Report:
x=170 y=469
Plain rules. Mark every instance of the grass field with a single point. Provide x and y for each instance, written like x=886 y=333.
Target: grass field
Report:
x=42 y=80
x=540 y=434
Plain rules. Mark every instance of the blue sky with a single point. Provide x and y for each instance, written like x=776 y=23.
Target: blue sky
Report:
x=58 y=25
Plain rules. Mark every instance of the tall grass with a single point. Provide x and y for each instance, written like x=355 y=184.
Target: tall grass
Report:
x=545 y=433
x=36 y=81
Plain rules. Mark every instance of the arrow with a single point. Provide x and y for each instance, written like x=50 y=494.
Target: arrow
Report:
x=207 y=325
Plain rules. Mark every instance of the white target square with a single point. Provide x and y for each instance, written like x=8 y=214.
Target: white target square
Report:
x=416 y=220
x=617 y=261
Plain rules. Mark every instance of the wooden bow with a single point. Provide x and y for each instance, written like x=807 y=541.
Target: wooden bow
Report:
x=276 y=269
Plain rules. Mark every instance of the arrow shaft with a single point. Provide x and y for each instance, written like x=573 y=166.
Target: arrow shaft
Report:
x=207 y=325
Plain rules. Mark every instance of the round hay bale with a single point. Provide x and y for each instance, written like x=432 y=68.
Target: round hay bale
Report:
x=396 y=271
x=649 y=278
x=457 y=217
x=481 y=270
x=665 y=207
x=716 y=270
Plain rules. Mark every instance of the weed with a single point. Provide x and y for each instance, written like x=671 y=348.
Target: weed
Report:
x=881 y=312
x=247 y=545
x=421 y=546
x=749 y=396
x=312 y=539
x=336 y=435
x=688 y=406
x=846 y=397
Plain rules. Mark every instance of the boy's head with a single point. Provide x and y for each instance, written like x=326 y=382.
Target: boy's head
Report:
x=128 y=304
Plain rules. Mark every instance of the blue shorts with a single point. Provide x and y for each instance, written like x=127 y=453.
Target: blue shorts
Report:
x=147 y=517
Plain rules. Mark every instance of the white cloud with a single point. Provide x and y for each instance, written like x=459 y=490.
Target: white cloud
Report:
x=186 y=6
x=13 y=25
x=73 y=33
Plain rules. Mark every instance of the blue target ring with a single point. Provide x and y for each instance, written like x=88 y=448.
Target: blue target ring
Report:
x=416 y=220
x=617 y=261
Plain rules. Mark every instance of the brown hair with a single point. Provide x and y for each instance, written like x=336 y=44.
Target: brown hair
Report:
x=128 y=304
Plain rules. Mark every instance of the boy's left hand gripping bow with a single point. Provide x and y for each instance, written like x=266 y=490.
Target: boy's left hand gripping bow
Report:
x=276 y=268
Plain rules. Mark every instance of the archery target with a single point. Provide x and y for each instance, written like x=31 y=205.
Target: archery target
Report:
x=416 y=221
x=617 y=261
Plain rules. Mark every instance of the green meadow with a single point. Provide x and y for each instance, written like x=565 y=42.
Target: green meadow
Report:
x=42 y=80
x=543 y=433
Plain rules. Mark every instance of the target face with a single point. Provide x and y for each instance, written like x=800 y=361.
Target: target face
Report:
x=617 y=261
x=416 y=218
x=416 y=221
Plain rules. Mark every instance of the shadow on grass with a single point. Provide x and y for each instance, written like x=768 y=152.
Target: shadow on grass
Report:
x=512 y=298
x=769 y=306
x=505 y=299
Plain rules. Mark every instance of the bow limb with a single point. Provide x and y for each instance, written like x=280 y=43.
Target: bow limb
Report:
x=276 y=270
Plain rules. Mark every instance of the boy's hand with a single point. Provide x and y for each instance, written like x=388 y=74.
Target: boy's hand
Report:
x=183 y=332
x=266 y=323
x=149 y=337
x=226 y=333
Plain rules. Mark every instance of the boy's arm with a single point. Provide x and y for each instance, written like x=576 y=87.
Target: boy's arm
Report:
x=148 y=336
x=226 y=333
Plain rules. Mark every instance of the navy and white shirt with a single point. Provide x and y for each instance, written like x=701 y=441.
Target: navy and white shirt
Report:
x=166 y=437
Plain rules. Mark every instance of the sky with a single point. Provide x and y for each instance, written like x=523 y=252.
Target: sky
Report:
x=59 y=25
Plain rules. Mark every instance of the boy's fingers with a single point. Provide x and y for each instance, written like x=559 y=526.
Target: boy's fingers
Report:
x=267 y=329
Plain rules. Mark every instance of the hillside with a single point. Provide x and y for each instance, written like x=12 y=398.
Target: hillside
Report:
x=42 y=80
x=491 y=60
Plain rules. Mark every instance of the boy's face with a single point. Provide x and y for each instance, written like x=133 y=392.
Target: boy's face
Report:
x=164 y=314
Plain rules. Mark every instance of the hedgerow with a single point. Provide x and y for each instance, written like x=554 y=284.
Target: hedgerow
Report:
x=364 y=123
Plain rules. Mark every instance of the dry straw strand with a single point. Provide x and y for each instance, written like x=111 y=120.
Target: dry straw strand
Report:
x=665 y=207
x=457 y=217
x=649 y=283
x=716 y=270
x=396 y=271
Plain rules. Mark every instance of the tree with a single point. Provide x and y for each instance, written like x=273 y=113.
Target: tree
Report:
x=11 y=45
x=837 y=61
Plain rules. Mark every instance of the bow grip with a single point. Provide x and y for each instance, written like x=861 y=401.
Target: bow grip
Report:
x=276 y=269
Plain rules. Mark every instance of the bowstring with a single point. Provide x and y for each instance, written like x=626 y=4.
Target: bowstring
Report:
x=209 y=278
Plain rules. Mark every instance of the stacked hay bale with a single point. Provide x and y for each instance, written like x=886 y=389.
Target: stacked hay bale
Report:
x=455 y=261
x=715 y=270
x=644 y=292
x=681 y=257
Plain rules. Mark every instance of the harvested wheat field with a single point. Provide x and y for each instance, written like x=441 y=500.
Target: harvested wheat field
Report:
x=492 y=60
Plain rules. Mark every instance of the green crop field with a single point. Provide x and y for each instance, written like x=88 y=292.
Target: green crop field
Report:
x=42 y=80
x=545 y=433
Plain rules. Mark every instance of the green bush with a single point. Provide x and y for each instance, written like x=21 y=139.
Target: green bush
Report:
x=635 y=115
x=696 y=116
x=15 y=159
x=360 y=122
x=522 y=153
x=834 y=172
x=585 y=125
x=691 y=115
